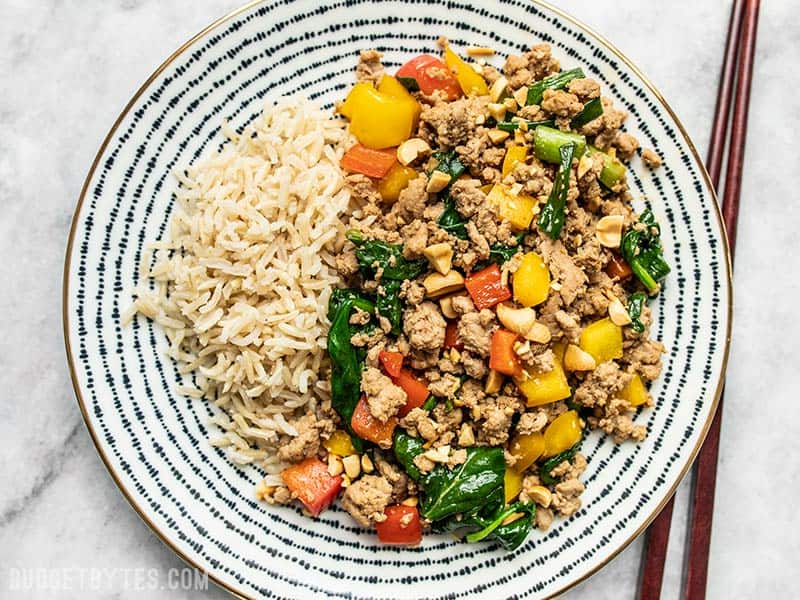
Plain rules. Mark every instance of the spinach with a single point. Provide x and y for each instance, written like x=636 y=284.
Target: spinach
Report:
x=551 y=219
x=510 y=535
x=374 y=254
x=551 y=463
x=470 y=496
x=635 y=304
x=389 y=305
x=554 y=82
x=406 y=448
x=448 y=162
x=642 y=250
x=409 y=83
x=466 y=487
x=339 y=296
x=451 y=221
x=347 y=362
x=500 y=253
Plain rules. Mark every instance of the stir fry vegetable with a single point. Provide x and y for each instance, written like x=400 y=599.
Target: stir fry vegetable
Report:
x=556 y=82
x=372 y=163
x=591 y=110
x=381 y=118
x=312 y=484
x=346 y=360
x=548 y=142
x=428 y=74
x=510 y=325
x=635 y=304
x=641 y=248
x=466 y=487
x=545 y=473
x=551 y=219
x=471 y=83
x=375 y=254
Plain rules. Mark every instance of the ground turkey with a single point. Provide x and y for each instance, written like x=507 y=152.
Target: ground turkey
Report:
x=369 y=66
x=601 y=385
x=366 y=498
x=383 y=397
x=475 y=331
x=424 y=326
x=310 y=432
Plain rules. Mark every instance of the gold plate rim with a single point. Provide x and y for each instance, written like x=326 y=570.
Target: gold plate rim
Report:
x=234 y=13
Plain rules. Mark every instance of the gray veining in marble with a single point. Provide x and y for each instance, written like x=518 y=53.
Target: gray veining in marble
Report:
x=67 y=67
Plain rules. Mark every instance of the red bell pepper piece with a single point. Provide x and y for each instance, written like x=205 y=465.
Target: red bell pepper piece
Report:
x=402 y=525
x=372 y=163
x=486 y=287
x=367 y=427
x=416 y=391
x=312 y=484
x=502 y=357
x=431 y=75
x=451 y=336
x=392 y=362
x=618 y=267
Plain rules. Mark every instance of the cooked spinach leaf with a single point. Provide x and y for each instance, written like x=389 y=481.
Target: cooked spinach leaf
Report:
x=389 y=304
x=347 y=362
x=642 y=250
x=409 y=83
x=466 y=487
x=375 y=254
x=551 y=463
x=635 y=304
x=448 y=162
x=500 y=253
x=451 y=221
x=510 y=535
x=406 y=448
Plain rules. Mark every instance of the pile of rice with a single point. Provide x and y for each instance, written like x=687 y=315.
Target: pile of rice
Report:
x=241 y=283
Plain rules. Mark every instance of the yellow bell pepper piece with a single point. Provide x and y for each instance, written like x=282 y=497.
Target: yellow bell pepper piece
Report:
x=378 y=119
x=531 y=280
x=514 y=155
x=635 y=392
x=526 y=448
x=603 y=340
x=512 y=482
x=339 y=444
x=486 y=188
x=391 y=87
x=562 y=434
x=396 y=181
x=544 y=388
x=467 y=77
x=517 y=210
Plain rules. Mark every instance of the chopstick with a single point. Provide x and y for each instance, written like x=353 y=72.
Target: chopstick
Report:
x=658 y=533
x=706 y=470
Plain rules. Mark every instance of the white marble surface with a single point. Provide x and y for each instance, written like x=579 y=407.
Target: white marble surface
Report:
x=67 y=67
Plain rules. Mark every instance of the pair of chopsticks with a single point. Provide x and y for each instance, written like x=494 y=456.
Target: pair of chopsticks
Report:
x=737 y=73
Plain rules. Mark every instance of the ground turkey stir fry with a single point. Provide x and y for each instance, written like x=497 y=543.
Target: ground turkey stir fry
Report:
x=496 y=306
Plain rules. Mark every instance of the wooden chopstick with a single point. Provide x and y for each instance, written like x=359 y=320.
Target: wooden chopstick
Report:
x=657 y=540
x=706 y=474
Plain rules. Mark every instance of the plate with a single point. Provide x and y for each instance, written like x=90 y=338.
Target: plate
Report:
x=154 y=442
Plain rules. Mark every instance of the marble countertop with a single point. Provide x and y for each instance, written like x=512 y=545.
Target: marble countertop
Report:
x=68 y=67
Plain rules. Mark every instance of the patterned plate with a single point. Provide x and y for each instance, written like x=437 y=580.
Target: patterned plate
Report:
x=154 y=442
